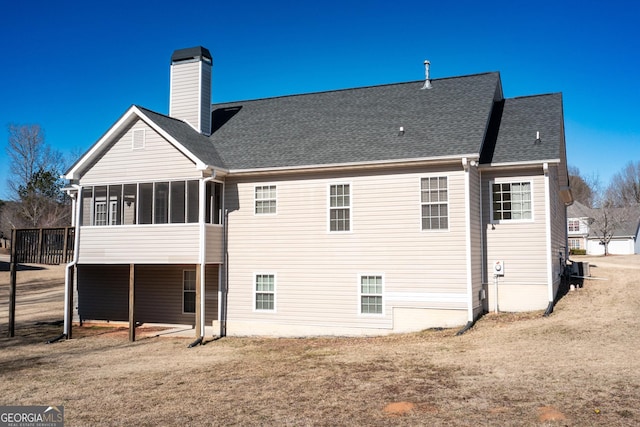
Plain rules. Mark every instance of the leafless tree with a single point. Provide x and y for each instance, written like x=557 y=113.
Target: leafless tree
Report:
x=581 y=187
x=624 y=189
x=34 y=182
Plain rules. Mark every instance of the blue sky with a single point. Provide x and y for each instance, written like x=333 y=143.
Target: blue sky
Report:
x=74 y=67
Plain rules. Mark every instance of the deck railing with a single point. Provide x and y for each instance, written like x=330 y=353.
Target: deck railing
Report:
x=43 y=245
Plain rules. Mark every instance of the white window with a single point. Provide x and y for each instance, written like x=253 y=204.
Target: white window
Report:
x=434 y=199
x=574 y=243
x=189 y=291
x=511 y=201
x=340 y=207
x=100 y=212
x=370 y=294
x=574 y=225
x=265 y=199
x=265 y=292
x=113 y=212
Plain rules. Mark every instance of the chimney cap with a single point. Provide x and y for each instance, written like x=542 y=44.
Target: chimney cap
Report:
x=191 y=53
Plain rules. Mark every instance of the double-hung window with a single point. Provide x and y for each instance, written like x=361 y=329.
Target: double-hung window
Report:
x=434 y=200
x=189 y=291
x=574 y=225
x=265 y=199
x=370 y=294
x=265 y=292
x=340 y=207
x=511 y=201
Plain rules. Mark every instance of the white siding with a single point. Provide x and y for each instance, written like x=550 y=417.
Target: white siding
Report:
x=318 y=270
x=157 y=160
x=520 y=245
x=139 y=244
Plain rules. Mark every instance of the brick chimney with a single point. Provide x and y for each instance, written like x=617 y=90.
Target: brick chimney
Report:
x=190 y=92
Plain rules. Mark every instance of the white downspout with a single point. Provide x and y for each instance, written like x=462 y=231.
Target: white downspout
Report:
x=467 y=209
x=547 y=202
x=76 y=248
x=203 y=247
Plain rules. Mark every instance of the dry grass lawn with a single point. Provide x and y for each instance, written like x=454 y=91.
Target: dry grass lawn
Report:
x=578 y=367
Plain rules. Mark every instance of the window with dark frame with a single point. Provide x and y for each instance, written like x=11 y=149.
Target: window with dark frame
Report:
x=511 y=201
x=189 y=291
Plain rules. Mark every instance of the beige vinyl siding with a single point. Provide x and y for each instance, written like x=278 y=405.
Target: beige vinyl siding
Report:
x=205 y=100
x=476 y=240
x=103 y=293
x=185 y=92
x=520 y=245
x=214 y=243
x=159 y=294
x=558 y=227
x=158 y=160
x=148 y=244
x=317 y=270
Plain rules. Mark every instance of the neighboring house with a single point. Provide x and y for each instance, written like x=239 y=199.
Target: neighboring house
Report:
x=361 y=211
x=578 y=218
x=581 y=233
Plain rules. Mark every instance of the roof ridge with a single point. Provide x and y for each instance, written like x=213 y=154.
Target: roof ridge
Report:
x=536 y=95
x=353 y=88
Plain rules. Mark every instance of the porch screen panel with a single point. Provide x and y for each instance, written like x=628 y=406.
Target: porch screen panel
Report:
x=178 y=199
x=115 y=204
x=192 y=201
x=145 y=213
x=129 y=195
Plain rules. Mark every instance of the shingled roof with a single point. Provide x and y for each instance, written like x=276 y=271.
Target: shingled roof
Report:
x=357 y=125
x=191 y=139
x=522 y=121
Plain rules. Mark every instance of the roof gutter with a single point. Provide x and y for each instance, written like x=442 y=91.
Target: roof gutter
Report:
x=520 y=165
x=376 y=164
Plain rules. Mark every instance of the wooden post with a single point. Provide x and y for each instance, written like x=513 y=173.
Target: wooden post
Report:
x=64 y=245
x=13 y=266
x=132 y=294
x=198 y=306
x=39 y=254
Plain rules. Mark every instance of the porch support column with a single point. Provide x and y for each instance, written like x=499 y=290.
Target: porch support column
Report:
x=132 y=295
x=13 y=277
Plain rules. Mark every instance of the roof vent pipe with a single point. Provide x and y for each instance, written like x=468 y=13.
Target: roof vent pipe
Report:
x=427 y=80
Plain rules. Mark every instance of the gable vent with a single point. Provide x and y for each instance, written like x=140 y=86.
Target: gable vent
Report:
x=138 y=139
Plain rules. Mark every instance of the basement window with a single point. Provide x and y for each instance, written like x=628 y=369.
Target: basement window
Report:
x=370 y=294
x=189 y=291
x=265 y=292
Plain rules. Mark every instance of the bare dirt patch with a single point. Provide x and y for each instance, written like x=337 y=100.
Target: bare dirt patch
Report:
x=580 y=366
